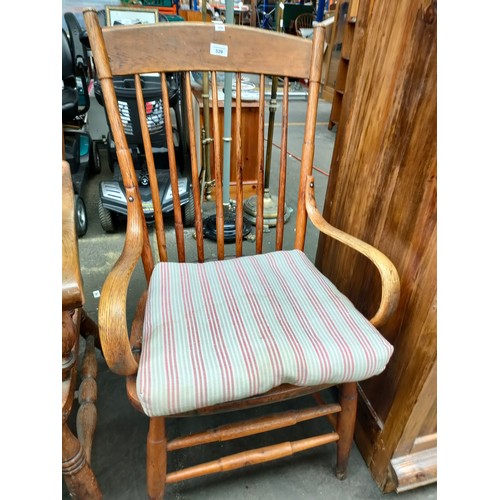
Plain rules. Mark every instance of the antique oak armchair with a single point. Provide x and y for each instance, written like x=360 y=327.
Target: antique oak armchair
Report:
x=247 y=330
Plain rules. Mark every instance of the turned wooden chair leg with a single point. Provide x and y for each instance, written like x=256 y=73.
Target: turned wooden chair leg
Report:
x=156 y=458
x=77 y=473
x=346 y=420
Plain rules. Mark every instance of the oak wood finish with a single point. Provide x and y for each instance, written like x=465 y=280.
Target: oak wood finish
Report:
x=382 y=189
x=390 y=286
x=415 y=469
x=280 y=217
x=195 y=171
x=194 y=15
x=239 y=170
x=251 y=427
x=86 y=418
x=251 y=457
x=219 y=209
x=156 y=457
x=129 y=51
x=130 y=54
x=77 y=474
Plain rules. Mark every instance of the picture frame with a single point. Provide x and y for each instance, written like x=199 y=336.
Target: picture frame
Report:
x=126 y=16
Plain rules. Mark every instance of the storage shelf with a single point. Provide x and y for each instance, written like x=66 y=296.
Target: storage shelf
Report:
x=347 y=39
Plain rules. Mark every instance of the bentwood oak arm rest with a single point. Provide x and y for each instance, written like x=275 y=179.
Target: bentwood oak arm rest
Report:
x=113 y=329
x=388 y=272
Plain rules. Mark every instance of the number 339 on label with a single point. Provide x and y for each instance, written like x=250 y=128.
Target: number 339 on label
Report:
x=216 y=49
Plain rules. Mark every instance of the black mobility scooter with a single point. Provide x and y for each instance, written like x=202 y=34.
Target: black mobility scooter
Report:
x=79 y=149
x=112 y=203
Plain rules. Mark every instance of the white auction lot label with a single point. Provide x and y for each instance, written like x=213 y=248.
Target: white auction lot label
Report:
x=216 y=49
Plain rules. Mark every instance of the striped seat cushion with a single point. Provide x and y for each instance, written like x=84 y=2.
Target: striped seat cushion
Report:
x=222 y=331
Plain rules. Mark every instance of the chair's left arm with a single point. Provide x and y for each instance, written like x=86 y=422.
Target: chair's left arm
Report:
x=388 y=273
x=113 y=328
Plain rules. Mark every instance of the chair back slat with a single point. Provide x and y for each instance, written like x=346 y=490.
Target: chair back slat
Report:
x=198 y=224
x=219 y=208
x=174 y=177
x=259 y=223
x=153 y=181
x=309 y=133
x=280 y=218
x=239 y=171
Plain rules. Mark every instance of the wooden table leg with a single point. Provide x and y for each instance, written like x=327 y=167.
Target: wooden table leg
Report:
x=86 y=417
x=77 y=473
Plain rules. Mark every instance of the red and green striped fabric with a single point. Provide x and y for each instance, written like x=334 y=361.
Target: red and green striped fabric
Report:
x=225 y=330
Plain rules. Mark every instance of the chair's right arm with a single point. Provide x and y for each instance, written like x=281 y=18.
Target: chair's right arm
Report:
x=388 y=272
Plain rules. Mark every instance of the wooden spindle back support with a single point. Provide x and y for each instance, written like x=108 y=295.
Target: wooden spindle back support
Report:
x=202 y=47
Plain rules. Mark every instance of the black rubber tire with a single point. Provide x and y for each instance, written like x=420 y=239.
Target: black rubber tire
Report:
x=112 y=158
x=188 y=211
x=106 y=218
x=81 y=221
x=96 y=166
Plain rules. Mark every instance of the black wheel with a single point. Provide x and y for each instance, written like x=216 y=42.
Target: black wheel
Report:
x=112 y=158
x=188 y=210
x=107 y=218
x=81 y=221
x=95 y=161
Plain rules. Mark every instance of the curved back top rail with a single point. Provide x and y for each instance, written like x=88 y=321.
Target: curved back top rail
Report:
x=201 y=46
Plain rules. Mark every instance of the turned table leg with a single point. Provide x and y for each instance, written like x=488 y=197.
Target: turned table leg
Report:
x=77 y=473
x=86 y=418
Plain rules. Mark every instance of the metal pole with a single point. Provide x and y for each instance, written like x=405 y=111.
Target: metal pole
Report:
x=272 y=110
x=320 y=10
x=206 y=139
x=228 y=90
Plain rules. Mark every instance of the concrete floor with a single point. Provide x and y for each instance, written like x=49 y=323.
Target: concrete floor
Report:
x=118 y=456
